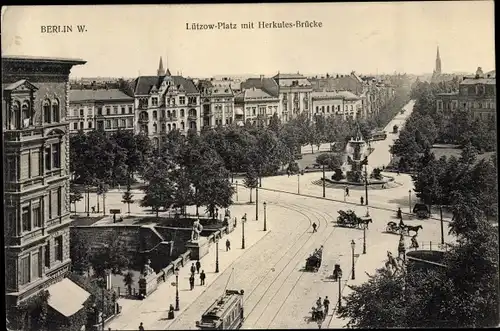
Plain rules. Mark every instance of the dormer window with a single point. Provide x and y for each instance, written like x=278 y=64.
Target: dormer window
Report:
x=154 y=101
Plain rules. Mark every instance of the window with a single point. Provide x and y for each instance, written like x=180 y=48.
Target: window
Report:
x=182 y=100
x=75 y=112
x=26 y=219
x=89 y=124
x=327 y=109
x=50 y=205
x=182 y=113
x=55 y=111
x=75 y=126
x=115 y=110
x=130 y=122
x=37 y=217
x=56 y=155
x=154 y=101
x=47 y=255
x=99 y=111
x=35 y=266
x=24 y=268
x=130 y=109
x=253 y=111
x=81 y=112
x=155 y=115
x=108 y=124
x=155 y=128
x=122 y=123
x=115 y=123
x=58 y=249
x=46 y=111
x=108 y=111
x=174 y=114
x=11 y=168
x=81 y=125
x=169 y=127
x=182 y=126
x=163 y=127
x=123 y=110
x=48 y=163
x=59 y=201
x=89 y=112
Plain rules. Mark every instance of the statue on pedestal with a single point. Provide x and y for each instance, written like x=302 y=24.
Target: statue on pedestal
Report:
x=147 y=269
x=195 y=232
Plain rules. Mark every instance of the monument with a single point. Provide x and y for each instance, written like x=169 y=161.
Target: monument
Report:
x=356 y=150
x=198 y=244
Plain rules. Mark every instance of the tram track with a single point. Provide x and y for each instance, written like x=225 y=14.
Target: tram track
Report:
x=320 y=217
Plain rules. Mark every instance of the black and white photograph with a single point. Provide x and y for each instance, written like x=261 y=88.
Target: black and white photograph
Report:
x=250 y=166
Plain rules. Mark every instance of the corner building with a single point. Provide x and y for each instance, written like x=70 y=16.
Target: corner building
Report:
x=36 y=182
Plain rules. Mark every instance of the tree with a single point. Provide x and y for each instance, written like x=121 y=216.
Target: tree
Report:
x=184 y=193
x=330 y=160
x=128 y=280
x=112 y=257
x=274 y=123
x=251 y=181
x=127 y=198
x=159 y=191
x=80 y=254
x=74 y=196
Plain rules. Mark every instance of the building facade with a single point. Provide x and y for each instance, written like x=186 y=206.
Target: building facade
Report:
x=255 y=106
x=165 y=102
x=105 y=110
x=476 y=95
x=295 y=95
x=36 y=179
x=217 y=103
x=340 y=104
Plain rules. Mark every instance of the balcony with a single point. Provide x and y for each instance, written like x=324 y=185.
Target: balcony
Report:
x=143 y=120
x=192 y=103
x=192 y=116
x=14 y=186
x=23 y=134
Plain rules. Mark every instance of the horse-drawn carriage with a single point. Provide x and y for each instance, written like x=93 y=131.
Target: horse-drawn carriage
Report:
x=349 y=219
x=421 y=210
x=401 y=228
x=313 y=262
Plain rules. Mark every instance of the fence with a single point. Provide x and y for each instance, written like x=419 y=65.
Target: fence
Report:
x=432 y=246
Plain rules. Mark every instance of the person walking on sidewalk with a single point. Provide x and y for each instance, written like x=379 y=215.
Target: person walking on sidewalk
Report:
x=193 y=269
x=228 y=245
x=202 y=277
x=141 y=328
x=191 y=281
x=198 y=266
x=326 y=303
x=362 y=200
x=314 y=227
x=346 y=191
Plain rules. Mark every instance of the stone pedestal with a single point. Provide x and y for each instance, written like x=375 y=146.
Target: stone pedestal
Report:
x=199 y=248
x=148 y=284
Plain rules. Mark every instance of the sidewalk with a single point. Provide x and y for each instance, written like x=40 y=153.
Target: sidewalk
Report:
x=153 y=310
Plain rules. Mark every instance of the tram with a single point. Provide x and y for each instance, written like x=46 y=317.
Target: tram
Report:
x=226 y=313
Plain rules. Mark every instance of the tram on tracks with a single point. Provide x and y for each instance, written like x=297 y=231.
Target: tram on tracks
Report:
x=226 y=313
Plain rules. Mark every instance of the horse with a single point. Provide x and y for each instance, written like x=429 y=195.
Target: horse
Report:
x=365 y=221
x=413 y=228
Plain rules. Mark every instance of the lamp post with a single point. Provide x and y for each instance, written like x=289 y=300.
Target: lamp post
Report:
x=236 y=190
x=88 y=201
x=409 y=200
x=353 y=244
x=298 y=183
x=243 y=220
x=339 y=279
x=324 y=181
x=257 y=203
x=364 y=239
x=442 y=230
x=366 y=183
x=217 y=255
x=176 y=271
x=265 y=227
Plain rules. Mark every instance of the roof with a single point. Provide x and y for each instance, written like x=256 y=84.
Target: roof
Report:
x=220 y=306
x=142 y=84
x=253 y=94
x=98 y=95
x=66 y=297
x=28 y=58
x=269 y=85
x=473 y=81
x=286 y=80
x=346 y=95
x=15 y=85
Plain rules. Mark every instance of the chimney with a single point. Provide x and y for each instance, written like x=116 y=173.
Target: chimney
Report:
x=261 y=78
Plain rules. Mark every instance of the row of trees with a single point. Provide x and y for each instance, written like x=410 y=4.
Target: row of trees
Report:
x=465 y=294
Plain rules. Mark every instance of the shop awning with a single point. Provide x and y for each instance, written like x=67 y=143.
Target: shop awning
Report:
x=239 y=111
x=66 y=297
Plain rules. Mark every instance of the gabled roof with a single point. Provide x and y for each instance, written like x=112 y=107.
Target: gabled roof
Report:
x=345 y=95
x=253 y=94
x=268 y=85
x=98 y=95
x=143 y=84
x=18 y=84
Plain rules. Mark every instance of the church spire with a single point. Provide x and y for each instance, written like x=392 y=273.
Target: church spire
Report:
x=161 y=71
x=438 y=62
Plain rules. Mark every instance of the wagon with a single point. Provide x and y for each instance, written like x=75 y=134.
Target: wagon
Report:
x=313 y=262
x=421 y=210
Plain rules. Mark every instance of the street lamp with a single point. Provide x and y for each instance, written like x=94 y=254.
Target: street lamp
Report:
x=236 y=190
x=324 y=181
x=298 y=183
x=353 y=244
x=364 y=239
x=243 y=220
x=265 y=227
x=176 y=271
x=409 y=200
x=339 y=279
x=217 y=255
x=257 y=203
x=366 y=183
x=442 y=229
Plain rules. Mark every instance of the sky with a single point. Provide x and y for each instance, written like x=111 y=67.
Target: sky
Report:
x=369 y=38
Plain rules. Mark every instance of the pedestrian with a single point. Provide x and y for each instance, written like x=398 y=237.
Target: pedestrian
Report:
x=401 y=246
x=318 y=303
x=202 y=277
x=362 y=200
x=228 y=245
x=217 y=213
x=191 y=281
x=314 y=227
x=398 y=172
x=93 y=209
x=346 y=191
x=235 y=222
x=400 y=214
x=288 y=172
x=414 y=242
x=326 y=303
x=193 y=269
x=383 y=186
x=198 y=266
x=141 y=328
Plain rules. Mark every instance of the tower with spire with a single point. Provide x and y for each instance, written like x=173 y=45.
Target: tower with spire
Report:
x=161 y=71
x=438 y=63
